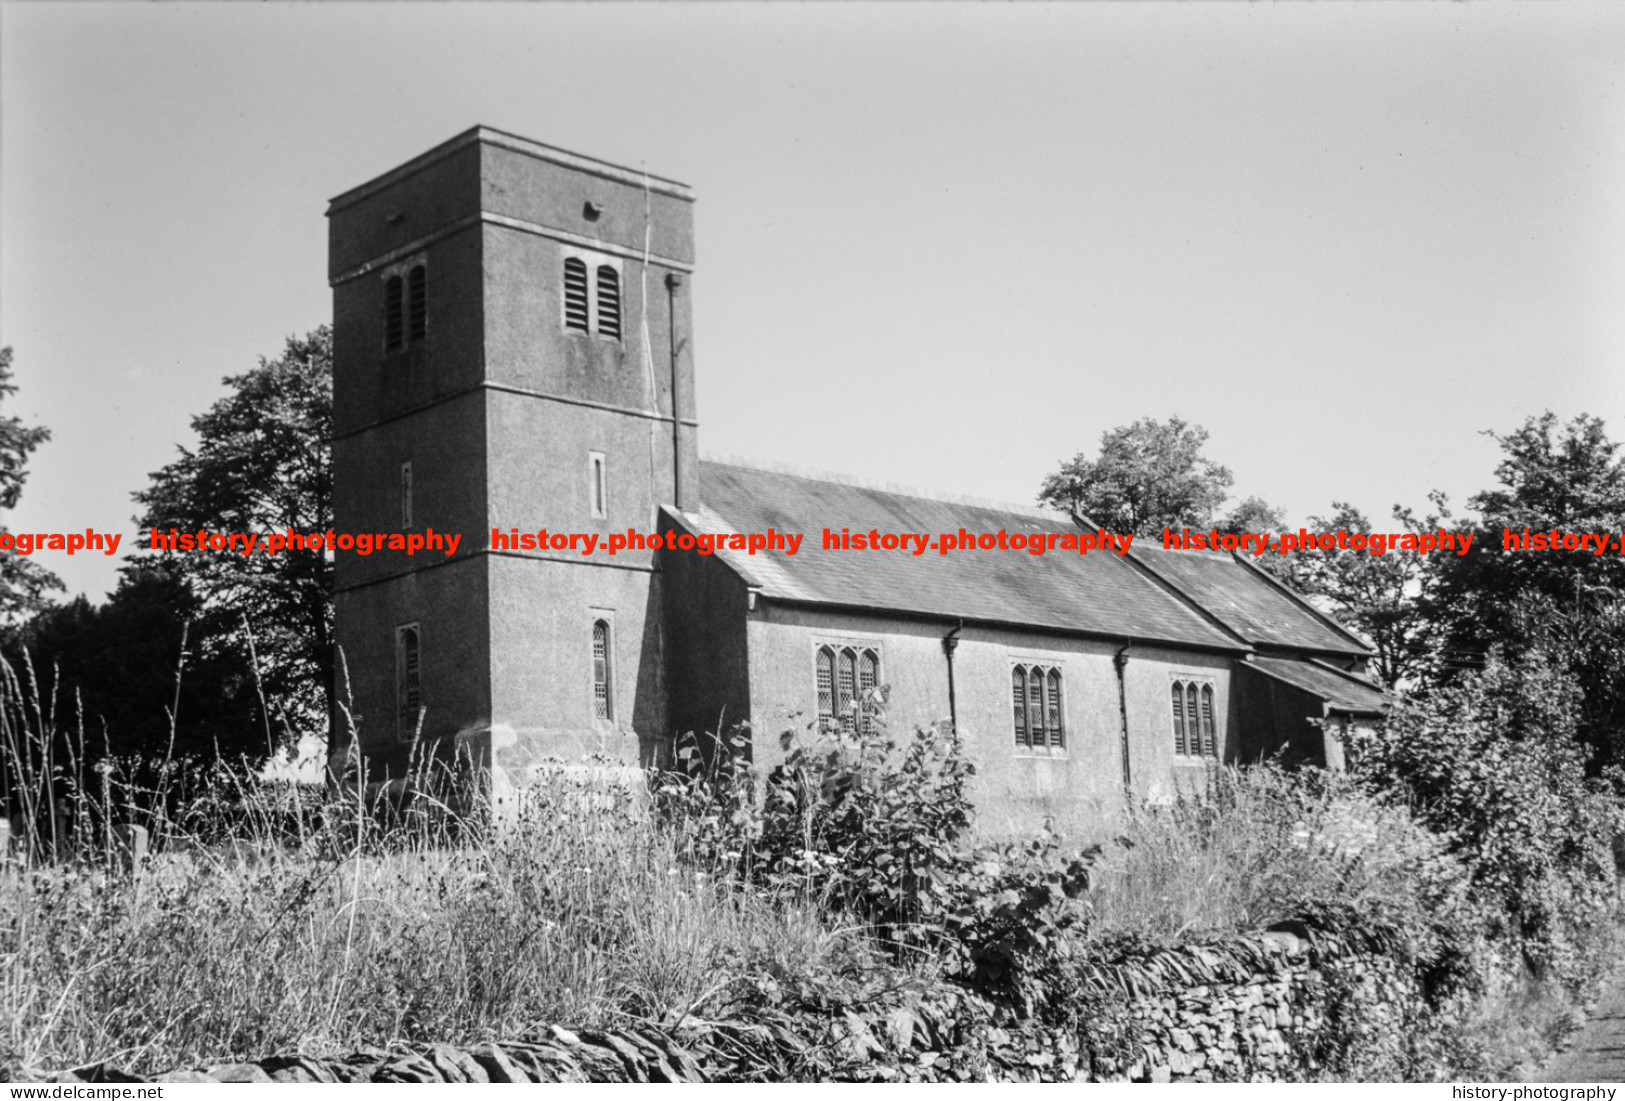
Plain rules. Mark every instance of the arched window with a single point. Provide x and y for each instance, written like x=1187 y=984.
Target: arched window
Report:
x=394 y=331
x=575 y=293
x=1035 y=697
x=417 y=302
x=846 y=679
x=1195 y=730
x=408 y=676
x=609 y=301
x=602 y=703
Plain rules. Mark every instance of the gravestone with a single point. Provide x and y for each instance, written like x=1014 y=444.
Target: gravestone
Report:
x=132 y=846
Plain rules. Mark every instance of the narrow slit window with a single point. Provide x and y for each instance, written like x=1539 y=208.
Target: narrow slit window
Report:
x=601 y=696
x=417 y=302
x=406 y=495
x=597 y=489
x=1035 y=707
x=1018 y=696
x=609 y=301
x=1209 y=745
x=1193 y=724
x=868 y=678
x=575 y=293
x=1179 y=718
x=846 y=687
x=394 y=331
x=409 y=676
x=1057 y=735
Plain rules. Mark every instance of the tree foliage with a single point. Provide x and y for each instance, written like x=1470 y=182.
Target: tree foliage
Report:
x=263 y=464
x=1492 y=761
x=1378 y=596
x=23 y=582
x=1566 y=478
x=1149 y=475
x=1253 y=516
x=115 y=667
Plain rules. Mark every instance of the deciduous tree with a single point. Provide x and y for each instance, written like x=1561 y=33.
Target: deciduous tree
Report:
x=263 y=463
x=23 y=582
x=1149 y=475
x=1378 y=596
x=1566 y=478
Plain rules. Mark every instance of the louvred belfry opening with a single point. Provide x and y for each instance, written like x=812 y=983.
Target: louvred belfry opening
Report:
x=417 y=299
x=609 y=302
x=394 y=329
x=575 y=293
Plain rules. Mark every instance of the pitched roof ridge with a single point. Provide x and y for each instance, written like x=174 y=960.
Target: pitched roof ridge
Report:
x=898 y=488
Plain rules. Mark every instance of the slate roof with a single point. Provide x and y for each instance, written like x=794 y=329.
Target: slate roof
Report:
x=1099 y=593
x=1250 y=605
x=1343 y=691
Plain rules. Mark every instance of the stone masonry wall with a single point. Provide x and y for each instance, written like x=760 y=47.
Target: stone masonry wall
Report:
x=1280 y=1005
x=1285 y=1005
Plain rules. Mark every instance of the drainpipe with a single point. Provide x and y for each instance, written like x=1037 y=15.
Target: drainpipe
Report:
x=1120 y=660
x=674 y=281
x=950 y=643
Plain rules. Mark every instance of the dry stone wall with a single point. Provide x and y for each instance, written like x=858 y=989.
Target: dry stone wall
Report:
x=1283 y=1005
x=1276 y=1006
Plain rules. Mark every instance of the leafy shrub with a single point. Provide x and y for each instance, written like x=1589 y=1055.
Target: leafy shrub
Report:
x=883 y=830
x=1492 y=762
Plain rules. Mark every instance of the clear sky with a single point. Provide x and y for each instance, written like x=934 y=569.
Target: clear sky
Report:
x=939 y=245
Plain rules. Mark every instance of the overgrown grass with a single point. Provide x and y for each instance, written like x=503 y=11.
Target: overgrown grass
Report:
x=1254 y=846
x=273 y=918
x=575 y=911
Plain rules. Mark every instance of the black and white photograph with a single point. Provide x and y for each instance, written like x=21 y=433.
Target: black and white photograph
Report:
x=755 y=542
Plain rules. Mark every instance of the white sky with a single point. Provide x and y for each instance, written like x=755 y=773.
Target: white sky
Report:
x=941 y=245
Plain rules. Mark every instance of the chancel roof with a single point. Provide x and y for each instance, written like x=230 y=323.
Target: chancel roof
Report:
x=1098 y=593
x=1250 y=604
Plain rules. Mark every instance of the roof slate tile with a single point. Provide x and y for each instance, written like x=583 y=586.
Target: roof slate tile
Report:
x=1097 y=593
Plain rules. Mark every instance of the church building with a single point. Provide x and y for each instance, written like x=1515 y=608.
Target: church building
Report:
x=513 y=354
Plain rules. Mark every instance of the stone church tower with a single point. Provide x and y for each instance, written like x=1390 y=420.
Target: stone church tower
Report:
x=511 y=351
